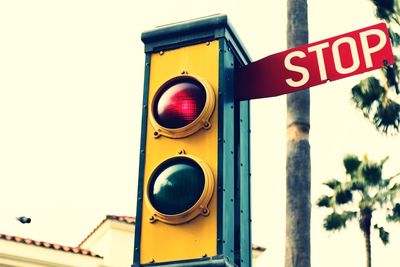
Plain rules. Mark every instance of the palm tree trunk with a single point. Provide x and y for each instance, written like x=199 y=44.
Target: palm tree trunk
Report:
x=298 y=165
x=365 y=226
x=367 y=237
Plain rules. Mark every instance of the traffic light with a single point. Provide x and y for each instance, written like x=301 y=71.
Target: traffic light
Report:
x=193 y=201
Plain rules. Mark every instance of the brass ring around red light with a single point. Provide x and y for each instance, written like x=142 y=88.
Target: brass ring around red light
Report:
x=182 y=106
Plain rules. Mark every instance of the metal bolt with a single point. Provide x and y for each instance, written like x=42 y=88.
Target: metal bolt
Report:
x=205 y=211
x=161 y=53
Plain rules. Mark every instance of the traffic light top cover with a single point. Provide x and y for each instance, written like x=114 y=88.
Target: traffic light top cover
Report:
x=194 y=31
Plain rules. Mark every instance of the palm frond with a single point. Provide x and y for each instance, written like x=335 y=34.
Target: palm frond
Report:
x=394 y=191
x=391 y=74
x=381 y=197
x=383 y=234
x=337 y=221
x=386 y=195
x=372 y=99
x=343 y=196
x=332 y=184
x=358 y=185
x=372 y=173
x=395 y=215
x=394 y=37
x=365 y=93
x=325 y=201
x=383 y=161
x=351 y=164
x=387 y=116
x=384 y=183
x=384 y=9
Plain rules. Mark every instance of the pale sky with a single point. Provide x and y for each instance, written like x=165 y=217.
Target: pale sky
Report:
x=71 y=81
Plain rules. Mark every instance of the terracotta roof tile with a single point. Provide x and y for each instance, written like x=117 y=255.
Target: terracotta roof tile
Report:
x=126 y=219
x=76 y=250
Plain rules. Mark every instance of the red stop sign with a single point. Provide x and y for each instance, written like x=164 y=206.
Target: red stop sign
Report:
x=313 y=64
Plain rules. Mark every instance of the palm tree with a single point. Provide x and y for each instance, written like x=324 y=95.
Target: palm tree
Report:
x=298 y=207
x=379 y=99
x=357 y=197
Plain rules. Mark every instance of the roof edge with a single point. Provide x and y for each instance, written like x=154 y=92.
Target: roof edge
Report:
x=123 y=219
x=57 y=247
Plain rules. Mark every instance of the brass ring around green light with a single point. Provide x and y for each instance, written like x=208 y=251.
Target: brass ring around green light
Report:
x=179 y=189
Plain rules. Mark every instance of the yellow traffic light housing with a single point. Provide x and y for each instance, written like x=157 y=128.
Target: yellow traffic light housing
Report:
x=193 y=202
x=166 y=238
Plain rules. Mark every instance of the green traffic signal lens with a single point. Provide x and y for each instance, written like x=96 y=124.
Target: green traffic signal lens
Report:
x=176 y=185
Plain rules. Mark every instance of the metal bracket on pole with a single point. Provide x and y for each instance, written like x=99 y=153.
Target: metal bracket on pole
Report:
x=217 y=261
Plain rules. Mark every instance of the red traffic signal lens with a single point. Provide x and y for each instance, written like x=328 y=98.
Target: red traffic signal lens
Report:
x=176 y=185
x=179 y=103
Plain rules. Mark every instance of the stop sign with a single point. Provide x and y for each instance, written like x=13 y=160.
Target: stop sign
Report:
x=313 y=64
